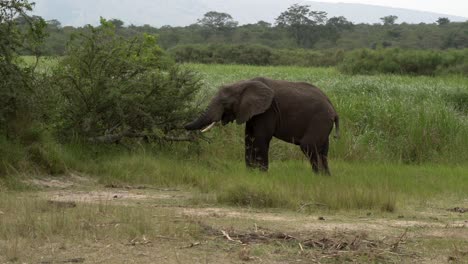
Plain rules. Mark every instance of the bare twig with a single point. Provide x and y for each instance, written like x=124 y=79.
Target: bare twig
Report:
x=191 y=245
x=395 y=245
x=300 y=246
x=226 y=235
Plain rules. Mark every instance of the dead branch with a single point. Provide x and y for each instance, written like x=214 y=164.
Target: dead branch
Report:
x=226 y=235
x=191 y=245
x=114 y=138
x=395 y=245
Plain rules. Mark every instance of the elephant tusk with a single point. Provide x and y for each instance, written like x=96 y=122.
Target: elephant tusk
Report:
x=208 y=127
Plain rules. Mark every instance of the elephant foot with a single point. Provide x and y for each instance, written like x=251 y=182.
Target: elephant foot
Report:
x=259 y=167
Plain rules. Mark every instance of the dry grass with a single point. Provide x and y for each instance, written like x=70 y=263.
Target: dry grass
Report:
x=117 y=224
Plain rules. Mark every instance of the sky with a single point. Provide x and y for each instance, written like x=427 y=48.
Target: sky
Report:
x=186 y=12
x=450 y=7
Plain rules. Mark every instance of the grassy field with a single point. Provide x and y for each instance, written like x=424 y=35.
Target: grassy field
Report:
x=400 y=164
x=386 y=117
x=403 y=141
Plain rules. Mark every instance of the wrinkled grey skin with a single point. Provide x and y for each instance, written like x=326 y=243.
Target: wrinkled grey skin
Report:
x=296 y=112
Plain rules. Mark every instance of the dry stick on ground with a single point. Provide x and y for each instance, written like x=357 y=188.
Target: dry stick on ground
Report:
x=332 y=247
x=303 y=206
x=191 y=245
x=226 y=235
x=395 y=245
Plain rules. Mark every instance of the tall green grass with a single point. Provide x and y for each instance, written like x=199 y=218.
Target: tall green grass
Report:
x=384 y=118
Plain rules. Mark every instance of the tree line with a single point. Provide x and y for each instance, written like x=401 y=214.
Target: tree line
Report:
x=296 y=27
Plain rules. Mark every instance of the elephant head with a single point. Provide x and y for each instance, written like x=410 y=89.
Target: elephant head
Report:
x=239 y=101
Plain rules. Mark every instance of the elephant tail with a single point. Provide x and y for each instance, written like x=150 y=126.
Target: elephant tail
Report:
x=337 y=127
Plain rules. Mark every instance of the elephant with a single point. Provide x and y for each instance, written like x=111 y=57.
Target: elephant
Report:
x=295 y=112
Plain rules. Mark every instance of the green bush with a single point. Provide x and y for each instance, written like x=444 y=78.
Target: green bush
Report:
x=223 y=54
x=18 y=82
x=307 y=58
x=35 y=152
x=115 y=88
x=254 y=55
x=413 y=62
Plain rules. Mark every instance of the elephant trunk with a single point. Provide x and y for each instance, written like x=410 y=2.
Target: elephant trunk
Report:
x=211 y=115
x=199 y=123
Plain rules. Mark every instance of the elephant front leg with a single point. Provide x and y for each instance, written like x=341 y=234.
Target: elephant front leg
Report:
x=249 y=152
x=256 y=153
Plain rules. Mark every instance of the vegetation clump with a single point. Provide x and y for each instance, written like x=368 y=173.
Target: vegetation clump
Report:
x=113 y=87
x=399 y=61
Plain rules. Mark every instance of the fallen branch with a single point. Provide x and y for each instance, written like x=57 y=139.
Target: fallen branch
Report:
x=395 y=245
x=115 y=138
x=191 y=245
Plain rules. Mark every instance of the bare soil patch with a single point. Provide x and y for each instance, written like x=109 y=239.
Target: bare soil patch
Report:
x=61 y=182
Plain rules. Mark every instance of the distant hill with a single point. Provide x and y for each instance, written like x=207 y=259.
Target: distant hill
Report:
x=186 y=12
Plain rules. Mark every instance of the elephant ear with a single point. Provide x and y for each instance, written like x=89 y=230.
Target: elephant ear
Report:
x=255 y=99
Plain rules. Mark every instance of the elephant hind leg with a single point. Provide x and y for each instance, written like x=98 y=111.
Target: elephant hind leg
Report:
x=326 y=169
x=312 y=154
x=324 y=157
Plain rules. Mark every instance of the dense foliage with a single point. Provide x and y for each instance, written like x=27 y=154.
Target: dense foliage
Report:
x=119 y=87
x=18 y=85
x=363 y=61
x=397 y=61
x=255 y=55
x=105 y=89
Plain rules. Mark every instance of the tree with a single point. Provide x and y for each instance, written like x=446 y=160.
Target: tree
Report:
x=335 y=25
x=263 y=24
x=54 y=24
x=117 y=23
x=19 y=32
x=443 y=21
x=218 y=21
x=389 y=20
x=302 y=22
x=115 y=87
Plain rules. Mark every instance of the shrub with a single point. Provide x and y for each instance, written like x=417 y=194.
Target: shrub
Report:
x=115 y=88
x=413 y=62
x=35 y=151
x=18 y=83
x=254 y=55
x=307 y=58
x=223 y=54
